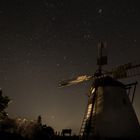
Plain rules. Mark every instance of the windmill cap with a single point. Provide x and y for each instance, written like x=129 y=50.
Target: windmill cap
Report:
x=107 y=81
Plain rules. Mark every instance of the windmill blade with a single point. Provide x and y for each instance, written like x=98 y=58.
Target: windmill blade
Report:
x=135 y=71
x=74 y=81
x=124 y=71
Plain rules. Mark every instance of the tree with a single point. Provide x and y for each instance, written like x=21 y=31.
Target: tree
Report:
x=39 y=120
x=4 y=100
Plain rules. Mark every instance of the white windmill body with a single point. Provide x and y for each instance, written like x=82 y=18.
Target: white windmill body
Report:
x=110 y=113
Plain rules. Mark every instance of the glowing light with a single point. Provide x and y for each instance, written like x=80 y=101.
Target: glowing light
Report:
x=80 y=79
x=92 y=90
x=89 y=111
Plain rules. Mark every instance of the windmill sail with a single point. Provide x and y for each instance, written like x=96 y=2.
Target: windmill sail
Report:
x=74 y=81
x=126 y=70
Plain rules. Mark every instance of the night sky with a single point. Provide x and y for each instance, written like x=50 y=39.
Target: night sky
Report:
x=45 y=41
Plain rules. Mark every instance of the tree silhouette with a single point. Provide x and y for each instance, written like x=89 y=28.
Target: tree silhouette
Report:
x=39 y=120
x=4 y=100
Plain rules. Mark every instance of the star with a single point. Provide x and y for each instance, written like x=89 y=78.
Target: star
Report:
x=135 y=40
x=64 y=57
x=57 y=64
x=86 y=36
x=100 y=11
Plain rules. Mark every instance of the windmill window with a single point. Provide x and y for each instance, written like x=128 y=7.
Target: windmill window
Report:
x=92 y=90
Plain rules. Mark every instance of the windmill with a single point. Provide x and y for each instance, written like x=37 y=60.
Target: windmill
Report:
x=109 y=112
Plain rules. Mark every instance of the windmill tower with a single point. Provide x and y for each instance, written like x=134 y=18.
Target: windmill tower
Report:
x=109 y=112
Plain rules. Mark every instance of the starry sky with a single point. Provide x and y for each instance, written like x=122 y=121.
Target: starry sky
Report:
x=45 y=41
